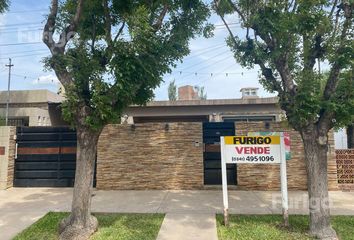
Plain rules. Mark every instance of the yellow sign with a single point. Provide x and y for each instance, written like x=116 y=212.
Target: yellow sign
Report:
x=254 y=140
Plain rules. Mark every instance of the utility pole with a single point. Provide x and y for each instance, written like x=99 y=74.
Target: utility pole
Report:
x=8 y=91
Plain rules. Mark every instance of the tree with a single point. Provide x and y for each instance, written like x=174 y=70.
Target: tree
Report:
x=172 y=91
x=285 y=39
x=202 y=95
x=108 y=55
x=4 y=5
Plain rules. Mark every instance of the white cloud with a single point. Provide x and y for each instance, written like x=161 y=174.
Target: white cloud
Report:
x=46 y=79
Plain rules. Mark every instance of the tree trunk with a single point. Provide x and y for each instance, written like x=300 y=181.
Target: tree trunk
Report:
x=81 y=224
x=350 y=136
x=317 y=182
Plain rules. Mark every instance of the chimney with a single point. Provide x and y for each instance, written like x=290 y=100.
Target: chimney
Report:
x=249 y=92
x=187 y=93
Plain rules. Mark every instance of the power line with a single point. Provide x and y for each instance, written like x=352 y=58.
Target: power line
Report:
x=209 y=47
x=16 y=44
x=27 y=55
x=19 y=52
x=37 y=79
x=205 y=50
x=223 y=25
x=22 y=30
x=203 y=61
x=196 y=72
x=29 y=11
x=25 y=76
x=19 y=24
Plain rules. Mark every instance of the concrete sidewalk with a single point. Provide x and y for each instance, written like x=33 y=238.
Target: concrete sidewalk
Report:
x=20 y=207
x=186 y=226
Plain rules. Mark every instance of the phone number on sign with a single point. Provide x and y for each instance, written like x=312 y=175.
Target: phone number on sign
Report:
x=253 y=159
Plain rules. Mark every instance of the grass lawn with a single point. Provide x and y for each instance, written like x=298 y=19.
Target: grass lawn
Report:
x=254 y=227
x=111 y=227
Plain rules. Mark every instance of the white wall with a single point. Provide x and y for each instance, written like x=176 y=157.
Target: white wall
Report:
x=340 y=139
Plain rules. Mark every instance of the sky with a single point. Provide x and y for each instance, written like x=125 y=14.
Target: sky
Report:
x=210 y=63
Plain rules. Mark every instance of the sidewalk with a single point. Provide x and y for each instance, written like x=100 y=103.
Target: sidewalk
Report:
x=20 y=207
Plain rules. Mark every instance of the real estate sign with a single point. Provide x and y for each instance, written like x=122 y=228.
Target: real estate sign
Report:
x=265 y=149
x=252 y=149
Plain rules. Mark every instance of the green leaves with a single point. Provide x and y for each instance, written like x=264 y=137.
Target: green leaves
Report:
x=287 y=39
x=121 y=51
x=4 y=5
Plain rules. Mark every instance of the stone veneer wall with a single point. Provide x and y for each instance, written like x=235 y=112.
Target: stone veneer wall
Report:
x=7 y=156
x=266 y=176
x=345 y=169
x=150 y=156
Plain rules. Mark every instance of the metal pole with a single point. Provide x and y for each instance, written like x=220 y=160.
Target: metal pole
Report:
x=284 y=182
x=224 y=183
x=8 y=91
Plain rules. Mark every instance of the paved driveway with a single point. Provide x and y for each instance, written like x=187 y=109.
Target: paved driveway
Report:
x=20 y=207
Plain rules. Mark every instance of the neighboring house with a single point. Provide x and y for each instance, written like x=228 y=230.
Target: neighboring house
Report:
x=32 y=108
x=42 y=108
x=189 y=109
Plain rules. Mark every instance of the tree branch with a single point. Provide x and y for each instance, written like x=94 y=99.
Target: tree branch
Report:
x=333 y=8
x=216 y=2
x=268 y=74
x=236 y=9
x=315 y=52
x=57 y=49
x=50 y=25
x=107 y=21
x=334 y=73
x=119 y=32
x=159 y=22
x=325 y=120
x=282 y=62
x=69 y=32
x=93 y=40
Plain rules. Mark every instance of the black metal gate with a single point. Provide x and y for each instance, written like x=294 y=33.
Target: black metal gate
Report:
x=46 y=157
x=212 y=156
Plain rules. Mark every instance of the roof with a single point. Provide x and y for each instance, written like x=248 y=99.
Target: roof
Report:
x=31 y=96
x=248 y=88
x=45 y=96
x=213 y=102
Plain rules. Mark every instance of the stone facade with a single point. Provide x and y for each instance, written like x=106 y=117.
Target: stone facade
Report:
x=267 y=177
x=160 y=156
x=150 y=156
x=7 y=156
x=345 y=169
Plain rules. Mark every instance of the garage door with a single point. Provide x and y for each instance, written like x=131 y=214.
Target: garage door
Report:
x=46 y=157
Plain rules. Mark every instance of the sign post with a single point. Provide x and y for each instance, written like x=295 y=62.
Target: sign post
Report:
x=284 y=183
x=254 y=150
x=224 y=183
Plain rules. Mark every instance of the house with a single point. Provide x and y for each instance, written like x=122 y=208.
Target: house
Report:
x=188 y=108
x=163 y=145
x=42 y=108
x=32 y=108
